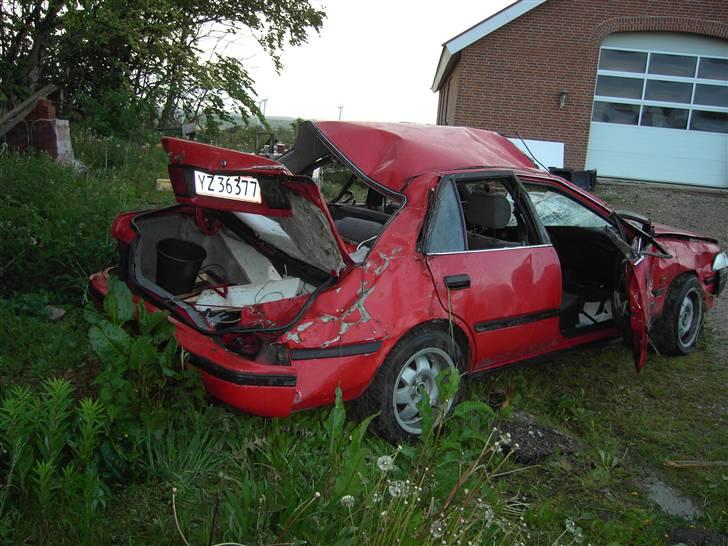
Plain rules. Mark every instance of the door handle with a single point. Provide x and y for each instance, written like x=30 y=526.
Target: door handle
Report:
x=457 y=282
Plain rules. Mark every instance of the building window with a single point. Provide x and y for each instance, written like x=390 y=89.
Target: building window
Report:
x=658 y=89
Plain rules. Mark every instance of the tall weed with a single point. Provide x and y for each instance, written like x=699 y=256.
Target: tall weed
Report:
x=51 y=449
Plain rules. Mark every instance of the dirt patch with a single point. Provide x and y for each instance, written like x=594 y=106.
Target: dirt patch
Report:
x=696 y=537
x=533 y=443
x=700 y=211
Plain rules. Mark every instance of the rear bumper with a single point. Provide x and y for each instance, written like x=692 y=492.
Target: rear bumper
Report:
x=240 y=377
x=266 y=389
x=253 y=387
x=269 y=395
x=267 y=401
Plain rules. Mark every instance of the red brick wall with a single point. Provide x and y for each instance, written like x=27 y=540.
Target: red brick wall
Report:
x=37 y=131
x=510 y=80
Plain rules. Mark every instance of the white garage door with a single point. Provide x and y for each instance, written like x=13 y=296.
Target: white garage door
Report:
x=660 y=109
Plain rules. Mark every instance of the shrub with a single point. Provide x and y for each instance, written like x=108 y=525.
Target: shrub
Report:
x=142 y=381
x=55 y=225
x=56 y=218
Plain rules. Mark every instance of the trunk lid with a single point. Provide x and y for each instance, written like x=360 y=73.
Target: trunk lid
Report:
x=289 y=210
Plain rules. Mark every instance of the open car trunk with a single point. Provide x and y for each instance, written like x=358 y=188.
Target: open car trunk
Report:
x=253 y=242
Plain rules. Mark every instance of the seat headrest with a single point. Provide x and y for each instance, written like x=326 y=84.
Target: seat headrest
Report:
x=490 y=210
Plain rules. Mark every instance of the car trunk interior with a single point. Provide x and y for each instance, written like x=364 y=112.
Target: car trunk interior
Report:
x=237 y=270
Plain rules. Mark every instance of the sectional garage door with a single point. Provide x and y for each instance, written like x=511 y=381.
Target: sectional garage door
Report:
x=660 y=110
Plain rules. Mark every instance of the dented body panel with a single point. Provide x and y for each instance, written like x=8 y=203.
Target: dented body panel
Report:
x=507 y=309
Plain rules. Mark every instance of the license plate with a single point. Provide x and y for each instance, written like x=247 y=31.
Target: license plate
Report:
x=240 y=188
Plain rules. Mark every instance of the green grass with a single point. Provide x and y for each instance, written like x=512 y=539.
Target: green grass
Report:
x=56 y=220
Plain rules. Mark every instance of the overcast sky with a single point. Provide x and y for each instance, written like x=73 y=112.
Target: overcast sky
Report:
x=377 y=58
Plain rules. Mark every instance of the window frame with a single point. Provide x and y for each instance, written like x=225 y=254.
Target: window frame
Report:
x=646 y=76
x=528 y=210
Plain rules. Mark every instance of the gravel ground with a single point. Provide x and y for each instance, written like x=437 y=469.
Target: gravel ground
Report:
x=704 y=212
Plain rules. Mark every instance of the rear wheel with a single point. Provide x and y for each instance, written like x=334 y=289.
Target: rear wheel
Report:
x=413 y=366
x=678 y=331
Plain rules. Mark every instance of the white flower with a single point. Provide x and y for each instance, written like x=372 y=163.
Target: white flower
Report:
x=348 y=501
x=436 y=529
x=385 y=463
x=397 y=488
x=488 y=515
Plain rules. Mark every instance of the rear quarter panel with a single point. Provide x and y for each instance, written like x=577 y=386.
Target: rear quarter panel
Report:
x=379 y=300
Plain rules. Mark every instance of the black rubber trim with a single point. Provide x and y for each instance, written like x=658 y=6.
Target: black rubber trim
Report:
x=577 y=331
x=658 y=291
x=243 y=378
x=721 y=279
x=515 y=321
x=457 y=282
x=333 y=352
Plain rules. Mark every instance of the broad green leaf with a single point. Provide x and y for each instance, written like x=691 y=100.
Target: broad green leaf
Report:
x=472 y=406
x=111 y=343
x=118 y=304
x=335 y=427
x=143 y=353
x=149 y=322
x=349 y=482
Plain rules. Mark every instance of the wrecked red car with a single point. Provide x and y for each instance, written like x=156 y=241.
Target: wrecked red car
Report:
x=435 y=248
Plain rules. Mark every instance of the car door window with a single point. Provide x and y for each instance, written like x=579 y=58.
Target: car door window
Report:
x=497 y=214
x=555 y=209
x=445 y=229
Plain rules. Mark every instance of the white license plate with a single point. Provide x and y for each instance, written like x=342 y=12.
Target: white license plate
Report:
x=240 y=188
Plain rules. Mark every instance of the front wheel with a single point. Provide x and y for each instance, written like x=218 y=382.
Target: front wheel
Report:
x=411 y=368
x=678 y=330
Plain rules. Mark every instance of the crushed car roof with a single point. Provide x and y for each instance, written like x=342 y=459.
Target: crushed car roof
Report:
x=391 y=153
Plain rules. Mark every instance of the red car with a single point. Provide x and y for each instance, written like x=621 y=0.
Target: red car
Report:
x=438 y=247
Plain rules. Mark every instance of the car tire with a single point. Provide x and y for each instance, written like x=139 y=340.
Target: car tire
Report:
x=414 y=362
x=678 y=331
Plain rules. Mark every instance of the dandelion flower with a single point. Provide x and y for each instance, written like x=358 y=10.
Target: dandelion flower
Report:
x=397 y=488
x=385 y=463
x=437 y=529
x=348 y=501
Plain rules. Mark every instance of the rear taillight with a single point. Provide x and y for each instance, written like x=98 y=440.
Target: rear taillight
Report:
x=182 y=182
x=242 y=344
x=122 y=229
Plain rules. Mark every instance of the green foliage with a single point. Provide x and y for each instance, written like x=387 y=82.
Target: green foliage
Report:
x=51 y=448
x=130 y=65
x=54 y=223
x=136 y=365
x=56 y=220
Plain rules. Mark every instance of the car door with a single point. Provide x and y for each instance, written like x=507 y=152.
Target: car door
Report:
x=638 y=270
x=637 y=275
x=502 y=279
x=559 y=207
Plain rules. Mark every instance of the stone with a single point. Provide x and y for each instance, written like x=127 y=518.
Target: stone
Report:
x=54 y=313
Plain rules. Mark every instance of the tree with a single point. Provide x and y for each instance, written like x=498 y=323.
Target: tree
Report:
x=161 y=59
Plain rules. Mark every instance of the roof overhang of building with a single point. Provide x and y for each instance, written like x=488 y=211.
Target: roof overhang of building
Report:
x=452 y=48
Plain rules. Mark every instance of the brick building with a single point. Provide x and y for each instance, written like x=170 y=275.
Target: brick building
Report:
x=634 y=88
